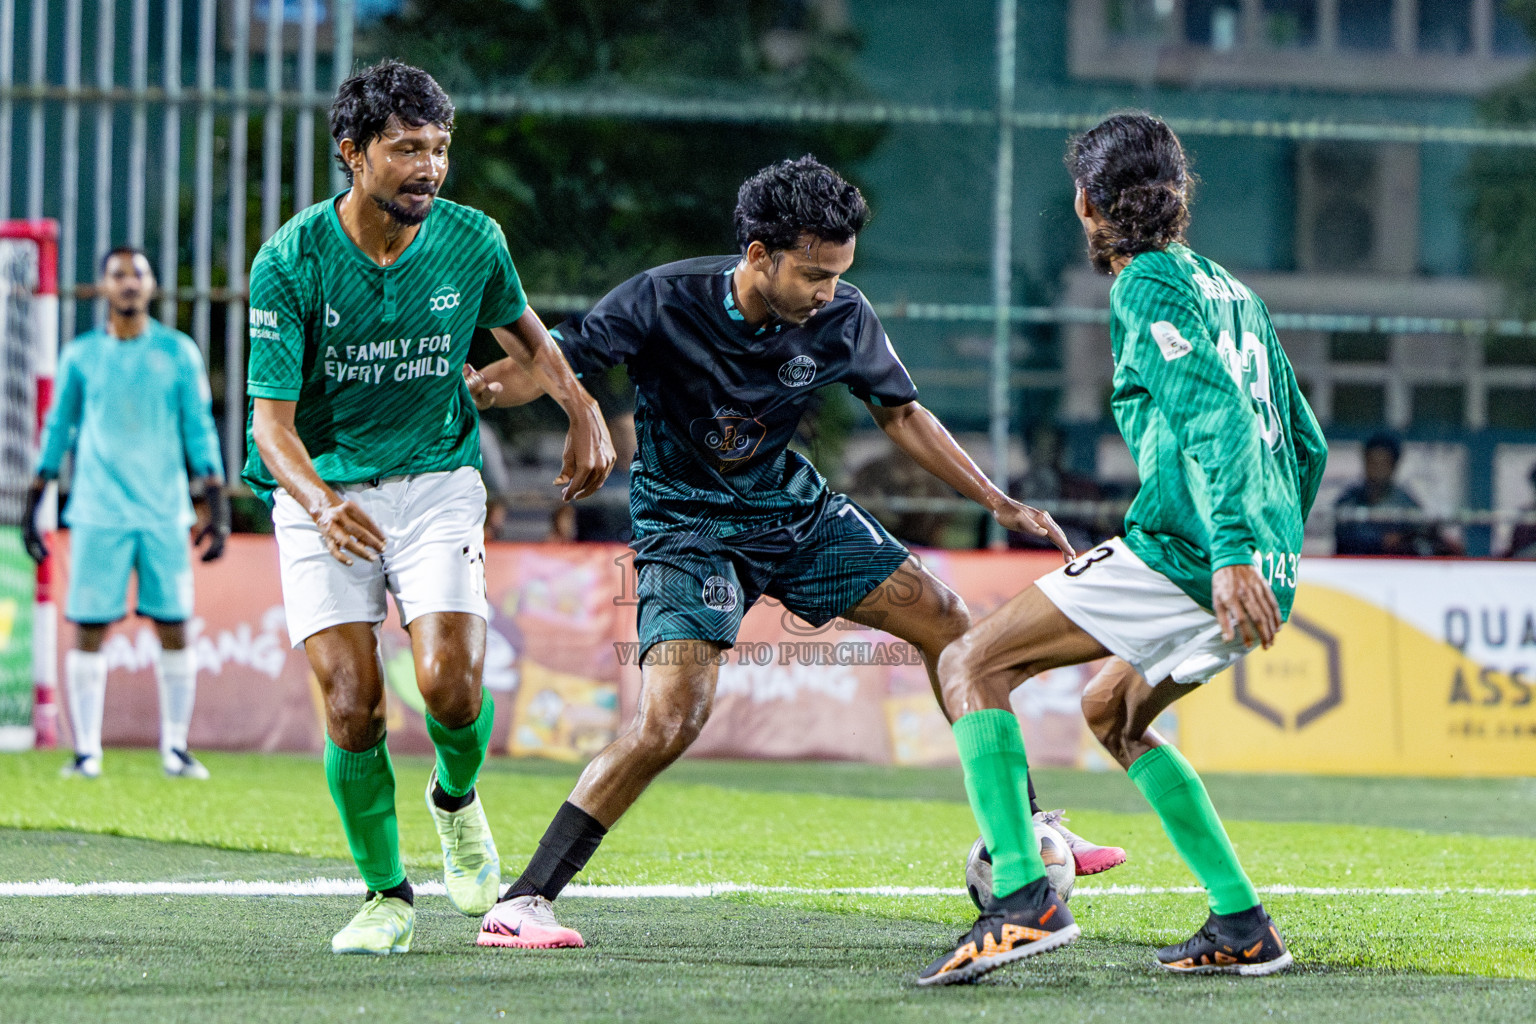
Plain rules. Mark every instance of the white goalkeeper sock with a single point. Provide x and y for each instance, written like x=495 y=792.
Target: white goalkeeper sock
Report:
x=176 y=674
x=86 y=674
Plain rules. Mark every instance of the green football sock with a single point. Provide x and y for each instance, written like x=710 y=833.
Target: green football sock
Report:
x=461 y=752
x=997 y=782
x=363 y=786
x=1180 y=800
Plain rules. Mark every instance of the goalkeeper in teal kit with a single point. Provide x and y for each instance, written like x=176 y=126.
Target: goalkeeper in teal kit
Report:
x=133 y=407
x=1230 y=459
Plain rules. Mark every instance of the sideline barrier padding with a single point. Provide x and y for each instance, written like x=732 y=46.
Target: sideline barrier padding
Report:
x=561 y=663
x=1388 y=667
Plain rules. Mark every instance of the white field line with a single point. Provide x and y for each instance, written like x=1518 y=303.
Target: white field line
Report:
x=353 y=887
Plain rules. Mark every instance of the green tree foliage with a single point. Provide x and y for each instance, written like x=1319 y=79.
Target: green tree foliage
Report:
x=585 y=202
x=1503 y=208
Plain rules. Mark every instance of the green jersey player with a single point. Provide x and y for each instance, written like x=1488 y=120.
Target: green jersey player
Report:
x=1230 y=458
x=363 y=436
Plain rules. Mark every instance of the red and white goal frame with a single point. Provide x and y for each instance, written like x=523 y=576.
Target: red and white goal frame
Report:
x=43 y=308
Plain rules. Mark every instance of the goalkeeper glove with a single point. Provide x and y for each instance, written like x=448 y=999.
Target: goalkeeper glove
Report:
x=216 y=531
x=36 y=548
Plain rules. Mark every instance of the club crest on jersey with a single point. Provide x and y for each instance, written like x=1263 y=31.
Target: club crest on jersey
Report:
x=444 y=301
x=719 y=594
x=798 y=372
x=729 y=435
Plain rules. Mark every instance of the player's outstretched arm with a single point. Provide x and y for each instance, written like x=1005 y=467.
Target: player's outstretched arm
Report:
x=347 y=529
x=919 y=433
x=502 y=383
x=588 y=448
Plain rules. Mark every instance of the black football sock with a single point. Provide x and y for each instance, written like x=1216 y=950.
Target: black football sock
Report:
x=569 y=842
x=1244 y=922
x=1033 y=895
x=403 y=891
x=1034 y=805
x=446 y=801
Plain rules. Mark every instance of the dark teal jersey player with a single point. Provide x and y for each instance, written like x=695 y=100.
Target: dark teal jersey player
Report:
x=715 y=493
x=725 y=353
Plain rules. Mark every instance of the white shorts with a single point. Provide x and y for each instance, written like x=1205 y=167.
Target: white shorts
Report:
x=1140 y=616
x=434 y=554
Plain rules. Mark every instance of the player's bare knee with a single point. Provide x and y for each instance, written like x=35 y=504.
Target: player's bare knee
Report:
x=448 y=690
x=90 y=638
x=665 y=737
x=173 y=635
x=1108 y=715
x=354 y=722
x=956 y=668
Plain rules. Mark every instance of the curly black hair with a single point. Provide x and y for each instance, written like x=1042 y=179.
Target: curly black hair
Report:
x=791 y=198
x=365 y=102
x=1136 y=174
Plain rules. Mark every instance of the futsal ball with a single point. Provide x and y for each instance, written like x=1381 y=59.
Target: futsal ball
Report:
x=1060 y=868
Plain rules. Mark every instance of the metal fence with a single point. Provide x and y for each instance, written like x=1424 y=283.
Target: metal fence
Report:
x=168 y=92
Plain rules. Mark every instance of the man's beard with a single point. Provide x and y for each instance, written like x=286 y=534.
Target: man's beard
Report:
x=1101 y=251
x=777 y=314
x=400 y=214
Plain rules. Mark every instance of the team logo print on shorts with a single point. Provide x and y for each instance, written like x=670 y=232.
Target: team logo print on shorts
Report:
x=719 y=594
x=798 y=372
x=444 y=301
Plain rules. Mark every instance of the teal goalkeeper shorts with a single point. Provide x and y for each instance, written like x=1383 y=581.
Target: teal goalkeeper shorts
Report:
x=697 y=587
x=100 y=559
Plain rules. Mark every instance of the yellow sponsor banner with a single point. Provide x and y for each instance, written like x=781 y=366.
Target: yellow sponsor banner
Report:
x=562 y=716
x=1384 y=669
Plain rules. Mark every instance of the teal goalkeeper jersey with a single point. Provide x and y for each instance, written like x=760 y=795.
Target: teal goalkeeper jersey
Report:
x=136 y=414
x=1229 y=453
x=373 y=355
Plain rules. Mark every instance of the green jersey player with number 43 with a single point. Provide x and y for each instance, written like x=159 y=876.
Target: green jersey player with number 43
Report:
x=364 y=439
x=1230 y=458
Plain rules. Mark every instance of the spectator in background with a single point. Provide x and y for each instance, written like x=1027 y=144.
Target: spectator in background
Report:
x=1522 y=542
x=1049 y=479
x=1379 y=490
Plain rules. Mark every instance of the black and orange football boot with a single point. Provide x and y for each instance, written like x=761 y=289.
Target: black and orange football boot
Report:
x=1216 y=949
x=1032 y=920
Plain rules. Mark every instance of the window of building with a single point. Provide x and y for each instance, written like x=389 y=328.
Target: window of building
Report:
x=1211 y=23
x=1338 y=189
x=1359 y=347
x=1362 y=405
x=1439 y=405
x=1512 y=408
x=1509 y=36
x=1509 y=351
x=1139 y=19
x=1290 y=22
x=1365 y=24
x=1445 y=26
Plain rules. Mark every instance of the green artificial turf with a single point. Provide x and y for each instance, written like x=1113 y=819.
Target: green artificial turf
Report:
x=1426 y=956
